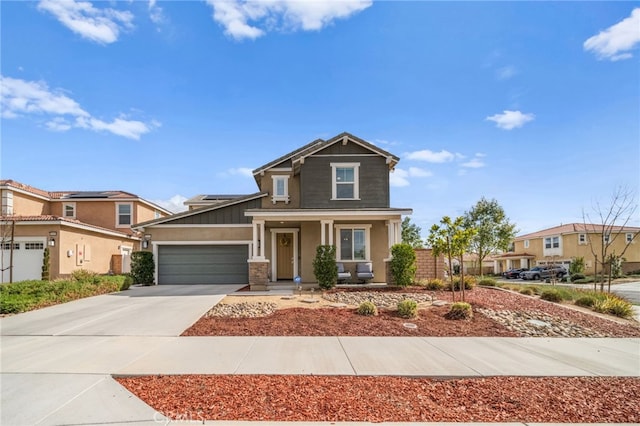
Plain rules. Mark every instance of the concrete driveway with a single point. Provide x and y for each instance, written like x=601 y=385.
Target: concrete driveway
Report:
x=165 y=310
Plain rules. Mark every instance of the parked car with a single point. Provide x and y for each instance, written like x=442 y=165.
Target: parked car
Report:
x=543 y=272
x=513 y=273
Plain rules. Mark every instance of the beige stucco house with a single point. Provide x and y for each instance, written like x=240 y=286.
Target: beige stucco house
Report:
x=561 y=244
x=83 y=230
x=328 y=192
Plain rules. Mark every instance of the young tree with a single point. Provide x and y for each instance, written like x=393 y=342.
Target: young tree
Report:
x=452 y=239
x=608 y=225
x=494 y=231
x=411 y=233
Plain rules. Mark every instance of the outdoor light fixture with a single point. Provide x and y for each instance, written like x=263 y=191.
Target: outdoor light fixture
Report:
x=52 y=242
x=52 y=233
x=145 y=241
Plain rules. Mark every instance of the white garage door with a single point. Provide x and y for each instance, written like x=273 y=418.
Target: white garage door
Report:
x=27 y=259
x=203 y=264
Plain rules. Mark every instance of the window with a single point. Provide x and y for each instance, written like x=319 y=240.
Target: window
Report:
x=69 y=210
x=606 y=238
x=345 y=183
x=34 y=246
x=280 y=188
x=629 y=237
x=526 y=244
x=582 y=239
x=7 y=246
x=7 y=202
x=156 y=214
x=124 y=215
x=552 y=242
x=353 y=242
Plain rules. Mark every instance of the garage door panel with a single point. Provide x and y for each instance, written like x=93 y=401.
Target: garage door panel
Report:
x=206 y=264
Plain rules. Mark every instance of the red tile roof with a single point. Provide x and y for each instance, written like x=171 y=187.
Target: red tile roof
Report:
x=51 y=218
x=571 y=228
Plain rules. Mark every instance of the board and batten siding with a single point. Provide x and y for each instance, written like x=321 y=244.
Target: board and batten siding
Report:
x=223 y=216
x=315 y=182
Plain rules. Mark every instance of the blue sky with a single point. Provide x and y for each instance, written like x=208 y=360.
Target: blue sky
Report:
x=535 y=104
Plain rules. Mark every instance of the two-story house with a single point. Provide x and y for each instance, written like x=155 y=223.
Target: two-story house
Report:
x=83 y=230
x=561 y=244
x=328 y=192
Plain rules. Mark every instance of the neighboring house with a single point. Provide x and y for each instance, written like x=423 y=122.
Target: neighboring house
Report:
x=83 y=229
x=561 y=244
x=332 y=192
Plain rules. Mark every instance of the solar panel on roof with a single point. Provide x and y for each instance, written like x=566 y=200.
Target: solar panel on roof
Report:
x=220 y=197
x=89 y=194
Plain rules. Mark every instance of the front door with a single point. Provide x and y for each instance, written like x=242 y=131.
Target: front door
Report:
x=284 y=249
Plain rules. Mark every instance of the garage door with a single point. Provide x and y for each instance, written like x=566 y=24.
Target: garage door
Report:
x=200 y=264
x=27 y=260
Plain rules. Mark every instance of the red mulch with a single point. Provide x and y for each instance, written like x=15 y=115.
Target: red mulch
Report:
x=377 y=399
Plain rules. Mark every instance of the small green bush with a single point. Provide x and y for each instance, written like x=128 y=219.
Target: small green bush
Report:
x=403 y=264
x=435 y=284
x=367 y=309
x=460 y=311
x=527 y=291
x=469 y=283
x=142 y=267
x=613 y=305
x=324 y=266
x=575 y=277
x=551 y=296
x=126 y=283
x=408 y=308
x=586 y=301
x=489 y=282
x=534 y=289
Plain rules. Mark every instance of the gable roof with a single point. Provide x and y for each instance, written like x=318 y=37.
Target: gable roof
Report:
x=319 y=144
x=200 y=210
x=77 y=195
x=572 y=228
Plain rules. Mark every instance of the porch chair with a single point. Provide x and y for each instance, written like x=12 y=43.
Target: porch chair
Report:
x=342 y=274
x=364 y=271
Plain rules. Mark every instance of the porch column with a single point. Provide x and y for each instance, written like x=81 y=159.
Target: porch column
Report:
x=326 y=228
x=394 y=229
x=258 y=239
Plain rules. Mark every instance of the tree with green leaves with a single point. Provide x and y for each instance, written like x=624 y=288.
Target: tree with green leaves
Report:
x=494 y=232
x=411 y=233
x=452 y=239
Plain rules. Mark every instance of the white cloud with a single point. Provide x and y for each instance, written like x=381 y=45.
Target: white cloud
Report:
x=399 y=178
x=429 y=156
x=615 y=42
x=510 y=119
x=418 y=172
x=236 y=171
x=506 y=73
x=174 y=204
x=155 y=13
x=81 y=17
x=250 y=19
x=474 y=163
x=20 y=97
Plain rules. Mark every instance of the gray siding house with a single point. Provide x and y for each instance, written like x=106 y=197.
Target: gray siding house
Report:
x=332 y=191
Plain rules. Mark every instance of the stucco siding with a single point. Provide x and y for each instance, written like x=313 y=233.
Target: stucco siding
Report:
x=160 y=234
x=25 y=205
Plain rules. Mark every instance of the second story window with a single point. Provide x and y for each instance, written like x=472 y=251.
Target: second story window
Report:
x=69 y=210
x=526 y=244
x=345 y=181
x=7 y=203
x=552 y=242
x=582 y=239
x=280 y=188
x=629 y=238
x=606 y=238
x=124 y=215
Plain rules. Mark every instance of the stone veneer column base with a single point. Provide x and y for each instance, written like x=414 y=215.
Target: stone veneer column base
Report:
x=387 y=272
x=258 y=274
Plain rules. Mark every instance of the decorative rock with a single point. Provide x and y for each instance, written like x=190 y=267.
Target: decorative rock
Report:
x=380 y=299
x=409 y=325
x=338 y=305
x=439 y=303
x=310 y=300
x=242 y=310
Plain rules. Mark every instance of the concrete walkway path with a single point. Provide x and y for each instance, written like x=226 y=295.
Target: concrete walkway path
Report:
x=57 y=363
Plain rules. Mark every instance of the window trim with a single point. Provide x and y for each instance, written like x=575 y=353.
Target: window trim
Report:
x=126 y=225
x=64 y=210
x=606 y=238
x=526 y=244
x=284 y=197
x=629 y=238
x=334 y=181
x=367 y=241
x=7 y=202
x=582 y=239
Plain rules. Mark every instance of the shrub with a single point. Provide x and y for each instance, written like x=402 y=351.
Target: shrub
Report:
x=84 y=276
x=126 y=283
x=435 y=284
x=527 y=291
x=489 y=282
x=551 y=296
x=403 y=264
x=142 y=267
x=408 y=308
x=534 y=289
x=614 y=306
x=324 y=266
x=459 y=311
x=469 y=283
x=46 y=263
x=576 y=267
x=586 y=301
x=575 y=277
x=367 y=309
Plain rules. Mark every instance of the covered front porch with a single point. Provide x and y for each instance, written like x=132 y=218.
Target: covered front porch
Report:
x=284 y=243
